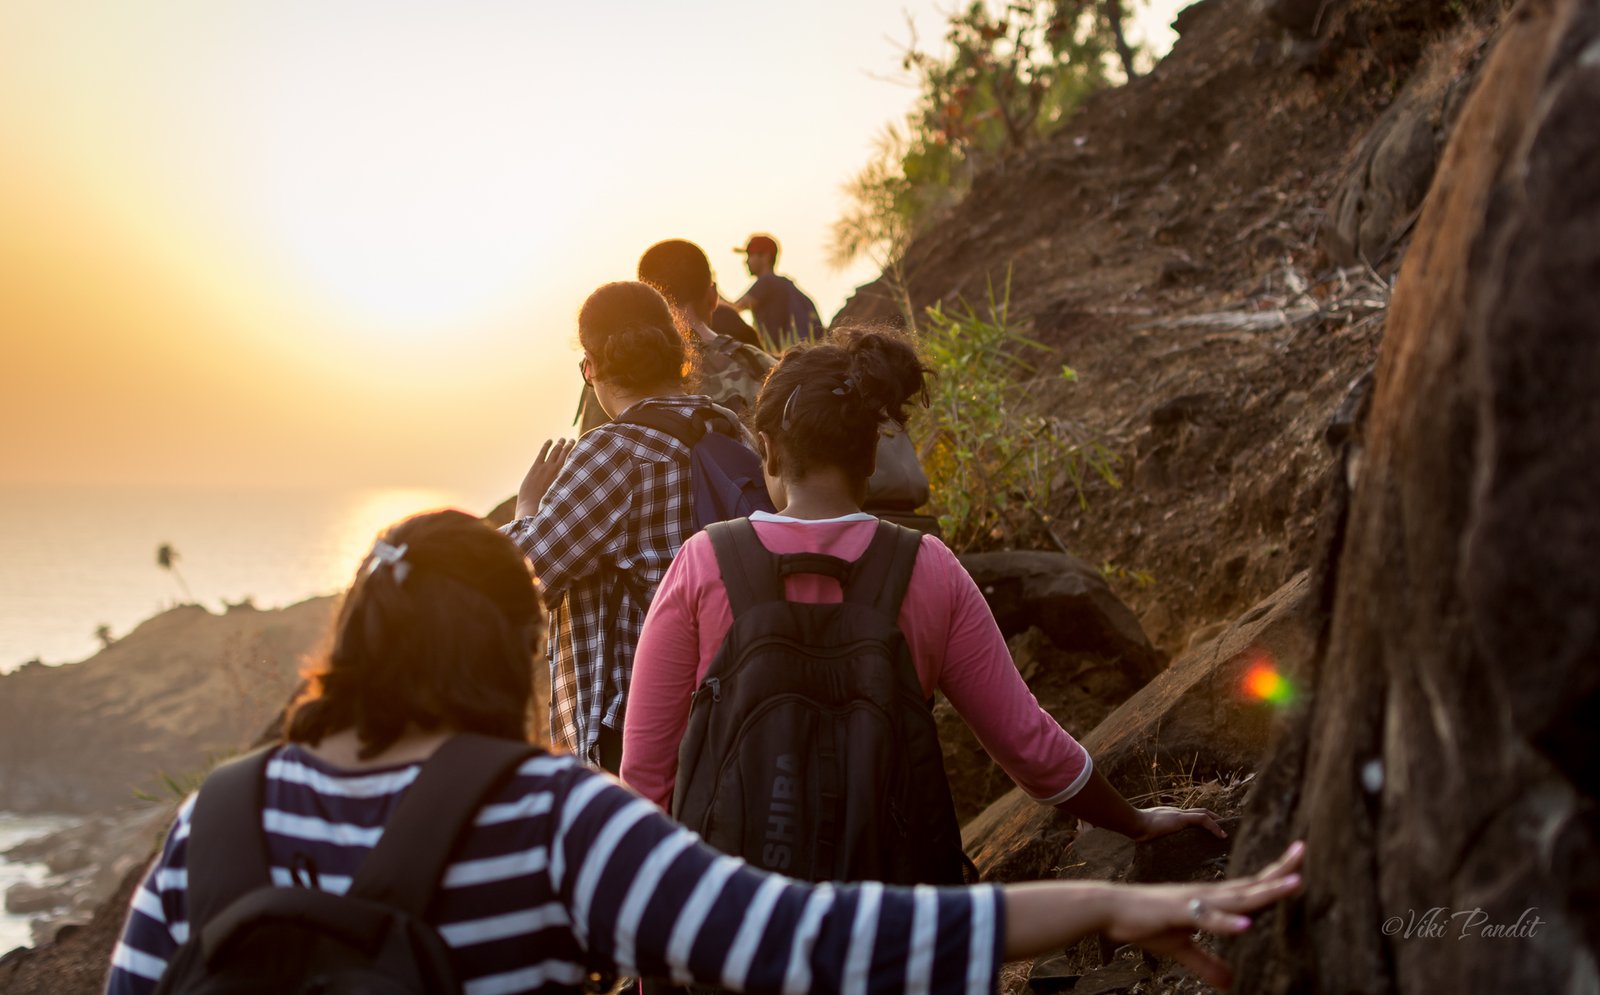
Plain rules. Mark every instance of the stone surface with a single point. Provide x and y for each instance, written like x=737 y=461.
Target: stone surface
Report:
x=1393 y=166
x=169 y=699
x=1068 y=599
x=1448 y=761
x=24 y=899
x=1057 y=974
x=1306 y=18
x=1193 y=716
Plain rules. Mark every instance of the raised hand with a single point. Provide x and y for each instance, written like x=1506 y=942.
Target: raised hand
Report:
x=552 y=456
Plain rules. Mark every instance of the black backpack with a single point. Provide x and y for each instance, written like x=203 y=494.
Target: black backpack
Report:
x=810 y=749
x=245 y=935
x=726 y=473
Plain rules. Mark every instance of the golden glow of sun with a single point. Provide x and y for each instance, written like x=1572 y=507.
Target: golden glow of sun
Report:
x=378 y=509
x=407 y=200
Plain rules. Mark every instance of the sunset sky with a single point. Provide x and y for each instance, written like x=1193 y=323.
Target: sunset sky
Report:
x=343 y=242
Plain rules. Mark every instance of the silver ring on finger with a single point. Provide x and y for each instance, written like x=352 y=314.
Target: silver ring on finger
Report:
x=1197 y=909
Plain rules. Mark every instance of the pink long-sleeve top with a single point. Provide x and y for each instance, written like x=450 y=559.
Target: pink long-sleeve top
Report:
x=955 y=645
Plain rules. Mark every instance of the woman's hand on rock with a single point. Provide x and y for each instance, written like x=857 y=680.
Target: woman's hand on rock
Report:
x=1164 y=918
x=1165 y=819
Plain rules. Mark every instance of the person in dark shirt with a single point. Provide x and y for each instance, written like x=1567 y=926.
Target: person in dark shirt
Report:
x=726 y=321
x=781 y=310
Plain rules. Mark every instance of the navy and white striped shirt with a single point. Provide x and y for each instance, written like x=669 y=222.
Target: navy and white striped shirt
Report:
x=565 y=867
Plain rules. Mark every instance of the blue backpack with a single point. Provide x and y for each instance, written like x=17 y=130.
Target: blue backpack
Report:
x=725 y=473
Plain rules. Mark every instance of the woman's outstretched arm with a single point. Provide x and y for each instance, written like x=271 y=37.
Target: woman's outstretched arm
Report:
x=1163 y=918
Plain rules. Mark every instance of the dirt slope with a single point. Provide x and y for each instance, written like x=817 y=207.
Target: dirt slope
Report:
x=1232 y=179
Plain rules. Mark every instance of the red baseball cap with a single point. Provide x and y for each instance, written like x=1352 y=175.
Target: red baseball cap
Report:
x=764 y=244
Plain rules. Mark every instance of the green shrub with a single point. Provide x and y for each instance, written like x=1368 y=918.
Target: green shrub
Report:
x=994 y=462
x=1004 y=78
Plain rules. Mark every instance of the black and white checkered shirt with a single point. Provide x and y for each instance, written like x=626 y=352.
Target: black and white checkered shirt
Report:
x=604 y=535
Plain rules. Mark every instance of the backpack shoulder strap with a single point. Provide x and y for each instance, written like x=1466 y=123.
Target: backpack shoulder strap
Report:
x=749 y=572
x=884 y=571
x=685 y=430
x=404 y=869
x=227 y=855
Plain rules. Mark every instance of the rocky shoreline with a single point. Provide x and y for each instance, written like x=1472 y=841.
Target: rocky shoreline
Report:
x=86 y=864
x=114 y=742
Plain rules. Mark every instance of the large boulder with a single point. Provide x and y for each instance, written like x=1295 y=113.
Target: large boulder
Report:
x=1447 y=761
x=1197 y=715
x=1068 y=599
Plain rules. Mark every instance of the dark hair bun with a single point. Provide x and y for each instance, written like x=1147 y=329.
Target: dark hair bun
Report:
x=886 y=370
x=627 y=330
x=823 y=402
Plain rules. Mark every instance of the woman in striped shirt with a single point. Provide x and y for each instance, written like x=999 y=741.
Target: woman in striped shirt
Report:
x=563 y=869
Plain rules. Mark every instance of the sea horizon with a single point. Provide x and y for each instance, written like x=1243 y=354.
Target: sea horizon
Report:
x=74 y=558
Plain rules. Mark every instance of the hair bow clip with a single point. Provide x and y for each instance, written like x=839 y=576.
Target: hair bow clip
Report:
x=392 y=556
x=844 y=390
x=788 y=408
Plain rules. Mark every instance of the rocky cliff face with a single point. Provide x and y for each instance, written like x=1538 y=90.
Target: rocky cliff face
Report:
x=1447 y=758
x=167 y=699
x=1210 y=247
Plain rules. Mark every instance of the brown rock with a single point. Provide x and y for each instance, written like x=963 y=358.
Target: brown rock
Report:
x=1068 y=599
x=1449 y=759
x=1193 y=716
x=1377 y=201
x=23 y=899
x=1059 y=974
x=165 y=701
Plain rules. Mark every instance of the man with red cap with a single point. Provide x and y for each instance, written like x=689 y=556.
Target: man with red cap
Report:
x=781 y=311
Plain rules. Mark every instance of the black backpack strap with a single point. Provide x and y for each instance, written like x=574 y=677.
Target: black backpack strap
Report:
x=227 y=852
x=749 y=572
x=404 y=869
x=884 y=570
x=686 y=430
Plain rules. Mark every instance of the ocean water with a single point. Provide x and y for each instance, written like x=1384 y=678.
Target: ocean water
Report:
x=74 y=559
x=14 y=829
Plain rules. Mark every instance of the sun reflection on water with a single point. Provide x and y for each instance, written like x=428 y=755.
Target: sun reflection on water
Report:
x=373 y=511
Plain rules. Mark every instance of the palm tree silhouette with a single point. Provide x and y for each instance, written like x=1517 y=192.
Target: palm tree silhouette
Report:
x=167 y=559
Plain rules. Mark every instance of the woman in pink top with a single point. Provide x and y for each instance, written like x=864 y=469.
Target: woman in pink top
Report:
x=817 y=421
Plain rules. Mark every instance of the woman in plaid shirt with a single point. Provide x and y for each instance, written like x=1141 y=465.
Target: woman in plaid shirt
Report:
x=601 y=518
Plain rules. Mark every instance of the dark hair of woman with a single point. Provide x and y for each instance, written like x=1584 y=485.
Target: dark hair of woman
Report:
x=822 y=403
x=678 y=269
x=627 y=330
x=438 y=631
